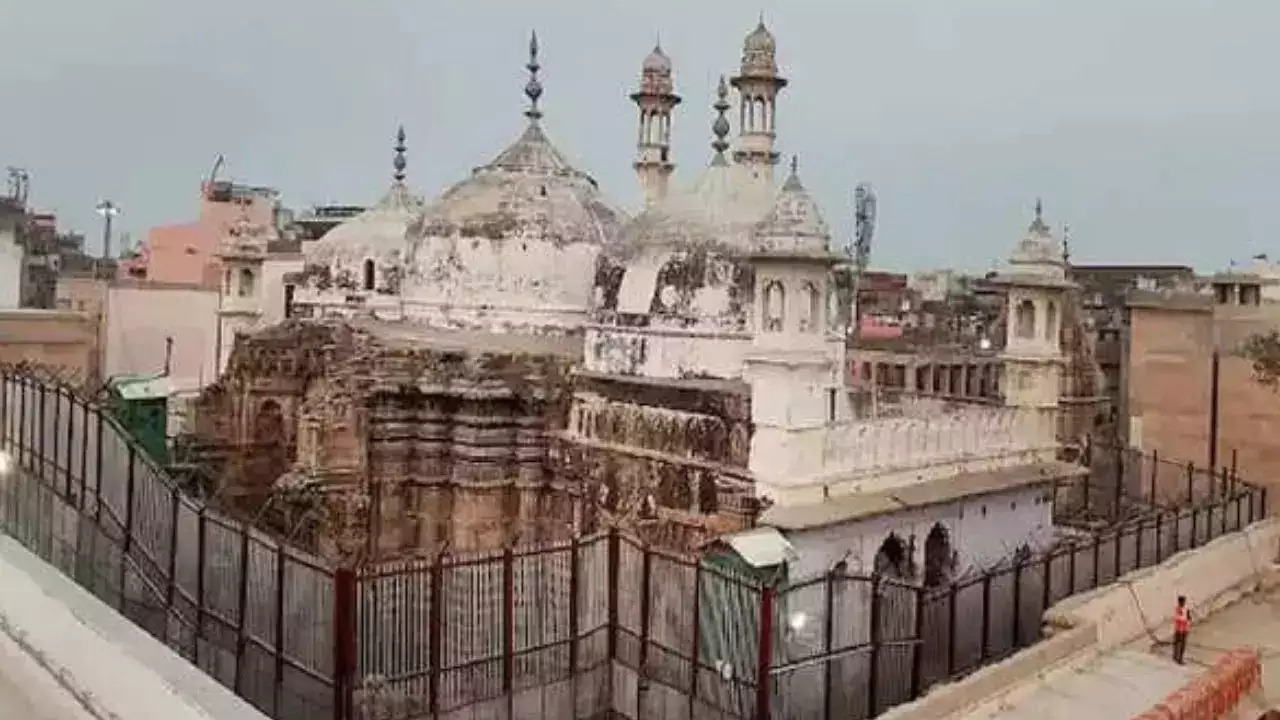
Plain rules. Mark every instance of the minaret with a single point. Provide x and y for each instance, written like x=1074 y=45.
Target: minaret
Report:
x=758 y=84
x=656 y=99
x=791 y=364
x=242 y=253
x=1036 y=287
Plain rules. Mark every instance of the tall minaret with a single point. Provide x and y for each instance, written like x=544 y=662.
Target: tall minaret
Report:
x=758 y=84
x=656 y=98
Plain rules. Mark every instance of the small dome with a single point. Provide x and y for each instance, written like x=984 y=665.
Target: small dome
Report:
x=656 y=61
x=794 y=226
x=760 y=40
x=377 y=234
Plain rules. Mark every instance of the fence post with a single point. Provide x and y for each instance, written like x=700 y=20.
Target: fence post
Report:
x=1191 y=484
x=1018 y=567
x=573 y=612
x=986 y=615
x=646 y=609
x=1226 y=497
x=1137 y=545
x=278 y=688
x=951 y=630
x=1045 y=588
x=828 y=637
x=127 y=544
x=917 y=657
x=344 y=639
x=97 y=470
x=435 y=630
x=614 y=559
x=1097 y=554
x=764 y=654
x=201 y=564
x=1071 y=570
x=84 y=451
x=1235 y=475
x=1159 y=537
x=22 y=423
x=242 y=604
x=128 y=499
x=71 y=413
x=508 y=625
x=697 y=641
x=873 y=672
x=176 y=495
x=1155 y=474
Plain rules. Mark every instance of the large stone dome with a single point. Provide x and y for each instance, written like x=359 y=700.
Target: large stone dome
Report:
x=512 y=245
x=682 y=262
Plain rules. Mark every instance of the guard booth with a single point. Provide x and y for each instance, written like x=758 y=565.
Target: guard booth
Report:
x=140 y=404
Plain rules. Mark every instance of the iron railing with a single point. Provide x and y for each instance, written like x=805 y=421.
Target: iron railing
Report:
x=600 y=626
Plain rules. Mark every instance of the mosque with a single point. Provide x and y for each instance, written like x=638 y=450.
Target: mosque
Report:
x=520 y=360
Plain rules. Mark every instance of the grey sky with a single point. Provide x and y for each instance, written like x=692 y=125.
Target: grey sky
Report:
x=1149 y=126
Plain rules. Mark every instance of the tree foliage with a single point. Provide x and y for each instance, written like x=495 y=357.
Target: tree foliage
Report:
x=1263 y=351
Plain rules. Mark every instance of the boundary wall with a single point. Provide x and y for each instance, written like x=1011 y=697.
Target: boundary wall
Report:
x=1083 y=627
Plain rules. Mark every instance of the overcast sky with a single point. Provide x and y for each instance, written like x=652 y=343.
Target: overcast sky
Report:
x=1151 y=126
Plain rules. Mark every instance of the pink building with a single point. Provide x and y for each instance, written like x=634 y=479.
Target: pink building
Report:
x=187 y=253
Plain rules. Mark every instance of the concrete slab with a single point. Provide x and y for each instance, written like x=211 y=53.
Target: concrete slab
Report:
x=1117 y=686
x=1253 y=621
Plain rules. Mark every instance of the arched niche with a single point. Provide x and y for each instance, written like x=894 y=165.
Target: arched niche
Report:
x=1051 y=322
x=775 y=306
x=939 y=557
x=893 y=559
x=1025 y=319
x=810 y=308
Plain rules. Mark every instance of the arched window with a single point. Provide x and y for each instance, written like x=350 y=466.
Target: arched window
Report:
x=811 y=320
x=775 y=306
x=246 y=282
x=938 y=562
x=1026 y=319
x=1051 y=322
x=368 y=275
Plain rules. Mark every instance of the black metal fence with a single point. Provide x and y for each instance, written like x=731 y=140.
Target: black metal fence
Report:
x=595 y=627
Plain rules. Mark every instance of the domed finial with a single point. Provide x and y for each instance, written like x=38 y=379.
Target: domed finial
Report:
x=720 y=128
x=533 y=88
x=399 y=162
x=1039 y=211
x=795 y=163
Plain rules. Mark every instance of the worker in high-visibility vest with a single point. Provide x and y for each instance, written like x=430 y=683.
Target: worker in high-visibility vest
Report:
x=1181 y=626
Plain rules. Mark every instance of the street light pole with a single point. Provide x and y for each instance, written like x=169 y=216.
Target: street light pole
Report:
x=107 y=210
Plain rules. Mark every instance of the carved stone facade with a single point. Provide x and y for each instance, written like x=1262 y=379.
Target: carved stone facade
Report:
x=394 y=442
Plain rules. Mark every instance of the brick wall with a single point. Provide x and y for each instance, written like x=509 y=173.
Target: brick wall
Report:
x=1168 y=383
x=1215 y=693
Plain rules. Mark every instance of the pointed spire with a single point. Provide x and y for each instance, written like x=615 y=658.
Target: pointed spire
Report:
x=720 y=128
x=1039 y=210
x=1066 y=244
x=533 y=88
x=399 y=163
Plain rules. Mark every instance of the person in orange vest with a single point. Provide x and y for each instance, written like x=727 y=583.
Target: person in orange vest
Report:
x=1181 y=626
